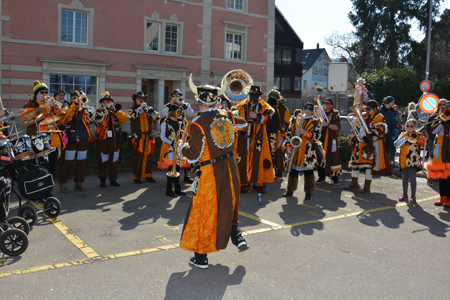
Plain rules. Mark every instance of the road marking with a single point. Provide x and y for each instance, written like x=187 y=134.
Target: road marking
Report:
x=323 y=190
x=176 y=246
x=72 y=237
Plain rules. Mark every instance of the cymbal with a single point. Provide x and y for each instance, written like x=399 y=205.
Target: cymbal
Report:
x=52 y=119
x=49 y=131
x=34 y=114
x=12 y=114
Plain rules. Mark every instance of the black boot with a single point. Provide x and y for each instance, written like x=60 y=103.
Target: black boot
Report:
x=102 y=183
x=187 y=177
x=169 y=191
x=176 y=181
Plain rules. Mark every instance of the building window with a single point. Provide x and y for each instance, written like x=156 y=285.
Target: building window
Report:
x=171 y=38
x=297 y=84
x=69 y=83
x=284 y=56
x=73 y=27
x=234 y=46
x=283 y=84
x=152 y=34
x=235 y=4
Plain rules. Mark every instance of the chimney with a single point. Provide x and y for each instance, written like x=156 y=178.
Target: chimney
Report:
x=317 y=46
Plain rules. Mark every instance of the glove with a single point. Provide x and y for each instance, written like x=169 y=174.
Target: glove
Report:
x=362 y=133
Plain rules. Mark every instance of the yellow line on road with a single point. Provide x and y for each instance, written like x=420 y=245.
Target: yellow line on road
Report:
x=87 y=261
x=73 y=238
x=96 y=258
x=322 y=190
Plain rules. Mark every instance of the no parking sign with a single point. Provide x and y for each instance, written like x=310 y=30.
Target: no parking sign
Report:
x=428 y=103
x=426 y=86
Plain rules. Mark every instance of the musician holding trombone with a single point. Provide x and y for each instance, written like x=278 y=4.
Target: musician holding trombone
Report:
x=329 y=138
x=142 y=140
x=409 y=142
x=77 y=139
x=304 y=133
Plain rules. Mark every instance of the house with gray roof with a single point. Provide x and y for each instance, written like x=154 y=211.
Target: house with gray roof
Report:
x=315 y=69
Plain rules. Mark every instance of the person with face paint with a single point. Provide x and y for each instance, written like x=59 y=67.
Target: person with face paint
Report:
x=276 y=130
x=78 y=118
x=143 y=141
x=305 y=157
x=368 y=151
x=41 y=99
x=253 y=151
x=212 y=217
x=108 y=118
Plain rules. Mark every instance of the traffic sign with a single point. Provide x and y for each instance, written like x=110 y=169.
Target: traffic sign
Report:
x=426 y=86
x=428 y=103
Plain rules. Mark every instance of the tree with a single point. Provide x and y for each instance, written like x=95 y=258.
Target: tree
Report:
x=383 y=27
x=402 y=83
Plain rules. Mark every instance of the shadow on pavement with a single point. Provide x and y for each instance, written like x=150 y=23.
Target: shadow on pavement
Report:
x=420 y=216
x=203 y=284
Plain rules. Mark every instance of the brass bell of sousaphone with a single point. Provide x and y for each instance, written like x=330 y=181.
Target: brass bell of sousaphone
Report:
x=239 y=83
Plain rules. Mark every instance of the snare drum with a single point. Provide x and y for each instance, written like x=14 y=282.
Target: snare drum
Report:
x=41 y=144
x=23 y=149
x=6 y=153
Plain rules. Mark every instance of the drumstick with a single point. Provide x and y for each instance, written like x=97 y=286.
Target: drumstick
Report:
x=1 y=103
x=14 y=133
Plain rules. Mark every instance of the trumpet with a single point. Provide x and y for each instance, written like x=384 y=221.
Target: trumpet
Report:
x=444 y=114
x=296 y=141
x=357 y=121
x=84 y=99
x=320 y=111
x=63 y=106
x=409 y=136
x=149 y=111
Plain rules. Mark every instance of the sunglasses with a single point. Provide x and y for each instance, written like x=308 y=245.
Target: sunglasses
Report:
x=176 y=95
x=140 y=98
x=74 y=97
x=410 y=126
x=327 y=103
x=44 y=92
x=365 y=108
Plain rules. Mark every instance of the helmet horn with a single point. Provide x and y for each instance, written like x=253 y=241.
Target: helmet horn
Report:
x=192 y=85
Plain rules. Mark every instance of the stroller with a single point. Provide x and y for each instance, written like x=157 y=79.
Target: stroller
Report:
x=13 y=231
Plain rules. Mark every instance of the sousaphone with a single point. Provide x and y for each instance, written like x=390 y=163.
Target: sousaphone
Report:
x=239 y=83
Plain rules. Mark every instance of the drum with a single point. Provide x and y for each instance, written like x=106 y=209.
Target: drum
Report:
x=23 y=149
x=41 y=144
x=6 y=153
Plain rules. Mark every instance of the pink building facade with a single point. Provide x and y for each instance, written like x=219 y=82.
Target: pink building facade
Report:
x=126 y=46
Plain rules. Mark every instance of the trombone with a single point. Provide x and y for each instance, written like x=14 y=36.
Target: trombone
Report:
x=181 y=135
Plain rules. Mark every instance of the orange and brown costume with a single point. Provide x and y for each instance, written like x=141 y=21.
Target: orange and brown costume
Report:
x=215 y=204
x=253 y=152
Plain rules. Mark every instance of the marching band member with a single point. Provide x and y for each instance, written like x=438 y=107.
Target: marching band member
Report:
x=2 y=124
x=254 y=159
x=213 y=214
x=410 y=161
x=143 y=141
x=186 y=111
x=108 y=118
x=40 y=99
x=329 y=139
x=369 y=153
x=169 y=131
x=78 y=118
x=305 y=157
x=439 y=167
x=276 y=130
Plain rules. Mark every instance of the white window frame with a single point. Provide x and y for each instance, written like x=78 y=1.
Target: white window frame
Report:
x=178 y=39
x=236 y=31
x=77 y=6
x=162 y=34
x=244 y=6
x=72 y=67
x=234 y=38
x=159 y=36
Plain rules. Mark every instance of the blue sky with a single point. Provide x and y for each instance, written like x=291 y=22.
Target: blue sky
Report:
x=315 y=20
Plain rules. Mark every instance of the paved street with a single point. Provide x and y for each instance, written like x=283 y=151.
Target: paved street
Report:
x=121 y=243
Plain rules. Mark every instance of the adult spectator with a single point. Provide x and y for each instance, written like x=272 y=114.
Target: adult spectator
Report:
x=389 y=116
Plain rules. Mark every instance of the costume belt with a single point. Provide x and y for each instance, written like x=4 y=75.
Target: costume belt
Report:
x=217 y=159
